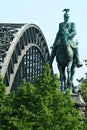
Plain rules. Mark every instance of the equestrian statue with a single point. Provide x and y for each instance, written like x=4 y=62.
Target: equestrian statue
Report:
x=65 y=49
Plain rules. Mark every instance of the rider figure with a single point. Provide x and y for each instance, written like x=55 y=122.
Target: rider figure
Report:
x=65 y=34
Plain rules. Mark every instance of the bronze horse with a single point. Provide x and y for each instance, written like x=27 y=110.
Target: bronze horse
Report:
x=65 y=60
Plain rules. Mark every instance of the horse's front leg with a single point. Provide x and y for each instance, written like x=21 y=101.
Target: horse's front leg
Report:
x=65 y=86
x=69 y=82
x=60 y=77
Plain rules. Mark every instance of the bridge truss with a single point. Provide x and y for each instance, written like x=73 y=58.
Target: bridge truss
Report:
x=23 y=51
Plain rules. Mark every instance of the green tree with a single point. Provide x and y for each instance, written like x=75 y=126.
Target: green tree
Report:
x=39 y=106
x=83 y=85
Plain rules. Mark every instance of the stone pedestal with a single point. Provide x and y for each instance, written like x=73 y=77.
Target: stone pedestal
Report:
x=79 y=104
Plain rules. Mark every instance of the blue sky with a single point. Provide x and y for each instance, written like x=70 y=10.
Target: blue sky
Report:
x=47 y=14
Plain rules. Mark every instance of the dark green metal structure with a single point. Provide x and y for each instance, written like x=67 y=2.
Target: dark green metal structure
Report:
x=23 y=51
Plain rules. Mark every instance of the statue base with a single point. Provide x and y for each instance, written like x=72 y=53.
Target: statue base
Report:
x=79 y=104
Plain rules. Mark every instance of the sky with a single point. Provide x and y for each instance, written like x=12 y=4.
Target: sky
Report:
x=47 y=14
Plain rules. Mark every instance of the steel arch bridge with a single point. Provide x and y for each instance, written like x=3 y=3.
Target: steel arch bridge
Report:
x=23 y=51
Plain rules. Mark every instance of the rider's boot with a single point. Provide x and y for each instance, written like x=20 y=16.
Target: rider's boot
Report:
x=78 y=63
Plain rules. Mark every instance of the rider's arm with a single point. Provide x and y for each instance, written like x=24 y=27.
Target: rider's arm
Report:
x=72 y=31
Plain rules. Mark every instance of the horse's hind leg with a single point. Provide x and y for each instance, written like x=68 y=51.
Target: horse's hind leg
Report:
x=72 y=75
x=62 y=77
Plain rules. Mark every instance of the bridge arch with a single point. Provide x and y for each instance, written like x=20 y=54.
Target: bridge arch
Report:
x=23 y=50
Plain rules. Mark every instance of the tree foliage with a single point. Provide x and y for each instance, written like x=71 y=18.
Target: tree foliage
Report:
x=38 y=106
x=83 y=85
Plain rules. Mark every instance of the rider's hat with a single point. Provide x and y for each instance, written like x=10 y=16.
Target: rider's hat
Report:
x=66 y=14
